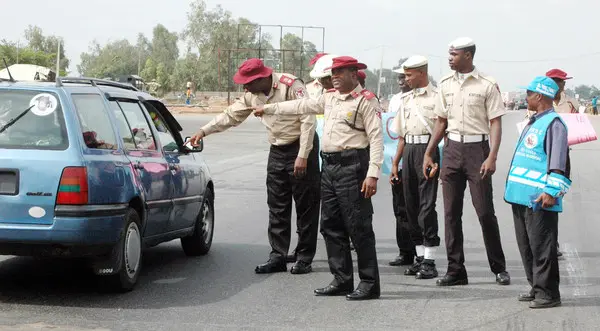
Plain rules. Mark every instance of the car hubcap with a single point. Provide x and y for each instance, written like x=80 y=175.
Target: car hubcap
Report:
x=132 y=250
x=207 y=222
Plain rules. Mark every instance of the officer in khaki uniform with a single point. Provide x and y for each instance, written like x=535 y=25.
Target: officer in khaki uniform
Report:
x=416 y=119
x=352 y=154
x=315 y=88
x=404 y=230
x=472 y=116
x=293 y=165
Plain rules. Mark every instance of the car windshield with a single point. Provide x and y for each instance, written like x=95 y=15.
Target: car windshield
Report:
x=42 y=127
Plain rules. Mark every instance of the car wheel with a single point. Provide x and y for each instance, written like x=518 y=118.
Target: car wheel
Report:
x=200 y=241
x=130 y=254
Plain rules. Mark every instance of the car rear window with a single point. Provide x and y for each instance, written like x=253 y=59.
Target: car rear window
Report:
x=40 y=127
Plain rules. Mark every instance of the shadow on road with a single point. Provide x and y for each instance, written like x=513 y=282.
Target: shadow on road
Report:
x=168 y=279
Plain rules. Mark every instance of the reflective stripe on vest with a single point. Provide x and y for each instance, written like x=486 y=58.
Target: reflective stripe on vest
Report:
x=528 y=173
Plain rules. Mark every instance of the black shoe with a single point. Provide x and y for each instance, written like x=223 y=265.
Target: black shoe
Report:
x=524 y=297
x=402 y=260
x=544 y=303
x=449 y=280
x=503 y=278
x=359 y=294
x=270 y=267
x=414 y=269
x=428 y=271
x=301 y=267
x=332 y=290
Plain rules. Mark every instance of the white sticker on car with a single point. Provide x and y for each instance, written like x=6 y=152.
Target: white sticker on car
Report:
x=43 y=104
x=37 y=212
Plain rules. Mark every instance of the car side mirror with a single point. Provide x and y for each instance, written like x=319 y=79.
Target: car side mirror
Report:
x=193 y=149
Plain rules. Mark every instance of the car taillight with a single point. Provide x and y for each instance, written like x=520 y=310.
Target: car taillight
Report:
x=73 y=187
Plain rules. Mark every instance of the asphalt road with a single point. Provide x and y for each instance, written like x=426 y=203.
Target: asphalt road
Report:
x=220 y=291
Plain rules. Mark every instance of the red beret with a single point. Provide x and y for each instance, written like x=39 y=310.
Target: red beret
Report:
x=557 y=73
x=362 y=74
x=346 y=62
x=316 y=58
x=250 y=70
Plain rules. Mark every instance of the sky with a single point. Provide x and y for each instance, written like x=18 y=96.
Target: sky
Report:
x=516 y=39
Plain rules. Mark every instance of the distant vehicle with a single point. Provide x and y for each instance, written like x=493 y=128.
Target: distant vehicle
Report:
x=134 y=80
x=521 y=104
x=97 y=169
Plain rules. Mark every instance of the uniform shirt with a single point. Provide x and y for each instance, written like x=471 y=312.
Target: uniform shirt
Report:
x=281 y=131
x=394 y=106
x=425 y=100
x=470 y=105
x=556 y=144
x=566 y=104
x=314 y=89
x=340 y=110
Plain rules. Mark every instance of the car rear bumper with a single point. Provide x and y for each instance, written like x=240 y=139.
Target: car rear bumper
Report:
x=80 y=226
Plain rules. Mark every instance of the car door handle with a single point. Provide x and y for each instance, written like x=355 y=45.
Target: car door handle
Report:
x=138 y=165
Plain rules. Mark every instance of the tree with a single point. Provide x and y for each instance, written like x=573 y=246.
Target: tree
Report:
x=117 y=58
x=295 y=55
x=37 y=42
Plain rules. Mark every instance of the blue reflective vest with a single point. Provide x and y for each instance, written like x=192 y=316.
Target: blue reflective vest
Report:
x=528 y=176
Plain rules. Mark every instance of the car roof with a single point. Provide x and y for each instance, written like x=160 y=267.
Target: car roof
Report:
x=111 y=89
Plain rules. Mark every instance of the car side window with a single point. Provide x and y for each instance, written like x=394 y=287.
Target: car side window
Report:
x=94 y=120
x=165 y=136
x=140 y=128
x=124 y=129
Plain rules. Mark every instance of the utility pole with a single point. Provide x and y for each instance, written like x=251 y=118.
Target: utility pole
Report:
x=18 y=46
x=380 y=71
x=58 y=60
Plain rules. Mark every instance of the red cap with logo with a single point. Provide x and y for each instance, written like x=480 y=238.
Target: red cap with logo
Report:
x=316 y=58
x=557 y=73
x=346 y=62
x=250 y=70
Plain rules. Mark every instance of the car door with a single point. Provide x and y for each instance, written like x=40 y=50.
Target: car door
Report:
x=148 y=163
x=186 y=174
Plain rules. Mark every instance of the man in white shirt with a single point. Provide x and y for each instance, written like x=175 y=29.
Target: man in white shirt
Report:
x=403 y=239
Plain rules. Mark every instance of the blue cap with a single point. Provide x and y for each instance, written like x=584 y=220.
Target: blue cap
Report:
x=544 y=86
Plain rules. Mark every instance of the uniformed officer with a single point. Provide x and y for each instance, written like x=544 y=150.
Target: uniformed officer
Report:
x=472 y=117
x=416 y=119
x=352 y=155
x=535 y=185
x=404 y=231
x=315 y=88
x=293 y=165
x=362 y=78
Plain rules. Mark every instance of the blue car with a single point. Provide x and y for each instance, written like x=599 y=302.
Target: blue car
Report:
x=98 y=169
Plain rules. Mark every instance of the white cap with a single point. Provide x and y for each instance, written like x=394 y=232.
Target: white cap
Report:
x=461 y=43
x=325 y=61
x=399 y=70
x=415 y=61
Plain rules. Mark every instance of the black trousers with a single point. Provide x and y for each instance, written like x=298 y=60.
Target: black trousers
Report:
x=537 y=234
x=346 y=214
x=403 y=228
x=282 y=187
x=420 y=195
x=462 y=163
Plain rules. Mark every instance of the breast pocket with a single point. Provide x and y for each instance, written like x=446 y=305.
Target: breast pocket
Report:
x=476 y=104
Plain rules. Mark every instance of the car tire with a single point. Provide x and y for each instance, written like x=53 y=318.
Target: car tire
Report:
x=200 y=241
x=130 y=254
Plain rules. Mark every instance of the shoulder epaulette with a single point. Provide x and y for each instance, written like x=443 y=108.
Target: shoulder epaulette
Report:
x=488 y=78
x=330 y=90
x=286 y=80
x=367 y=94
x=448 y=76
